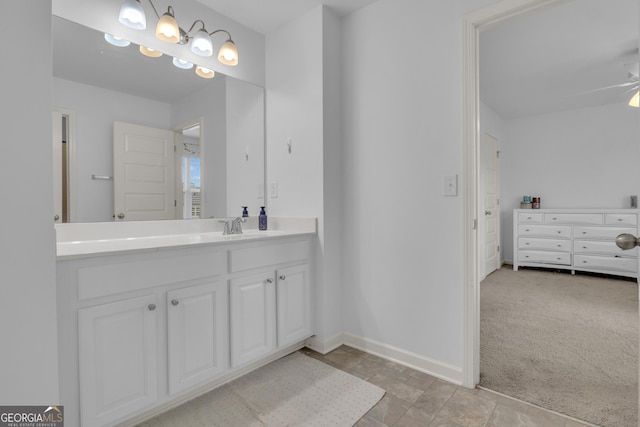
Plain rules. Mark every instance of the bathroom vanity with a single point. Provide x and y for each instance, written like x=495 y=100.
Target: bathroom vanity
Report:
x=153 y=314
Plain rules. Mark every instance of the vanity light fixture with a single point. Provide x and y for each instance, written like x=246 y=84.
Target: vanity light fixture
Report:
x=635 y=100
x=116 y=41
x=152 y=53
x=167 y=29
x=181 y=63
x=205 y=73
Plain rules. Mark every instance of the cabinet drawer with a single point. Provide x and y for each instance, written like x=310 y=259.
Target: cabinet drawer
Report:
x=263 y=256
x=545 y=230
x=608 y=233
x=601 y=246
x=621 y=219
x=606 y=263
x=530 y=218
x=573 y=218
x=545 y=257
x=545 y=244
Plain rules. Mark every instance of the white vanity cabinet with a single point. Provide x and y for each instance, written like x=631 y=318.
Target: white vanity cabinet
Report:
x=118 y=359
x=141 y=331
x=575 y=239
x=197 y=325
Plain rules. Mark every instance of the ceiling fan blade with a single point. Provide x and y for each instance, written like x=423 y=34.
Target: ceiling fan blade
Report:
x=627 y=84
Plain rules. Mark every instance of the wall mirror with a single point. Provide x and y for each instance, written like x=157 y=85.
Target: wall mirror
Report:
x=218 y=125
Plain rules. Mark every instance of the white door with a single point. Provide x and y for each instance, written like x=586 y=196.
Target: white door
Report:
x=491 y=170
x=118 y=359
x=198 y=327
x=253 y=318
x=57 y=166
x=293 y=304
x=143 y=173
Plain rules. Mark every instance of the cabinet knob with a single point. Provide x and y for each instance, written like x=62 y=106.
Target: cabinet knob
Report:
x=175 y=302
x=282 y=277
x=269 y=280
x=120 y=215
x=56 y=217
x=151 y=307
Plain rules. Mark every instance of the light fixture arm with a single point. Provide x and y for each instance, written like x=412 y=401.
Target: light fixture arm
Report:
x=217 y=31
x=155 y=11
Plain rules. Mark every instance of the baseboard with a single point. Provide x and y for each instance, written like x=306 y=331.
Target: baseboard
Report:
x=324 y=347
x=415 y=361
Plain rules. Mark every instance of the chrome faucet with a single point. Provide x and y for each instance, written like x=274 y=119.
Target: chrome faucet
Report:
x=236 y=225
x=235 y=228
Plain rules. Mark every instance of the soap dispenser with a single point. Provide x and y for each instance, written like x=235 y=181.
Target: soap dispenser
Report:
x=262 y=219
x=245 y=212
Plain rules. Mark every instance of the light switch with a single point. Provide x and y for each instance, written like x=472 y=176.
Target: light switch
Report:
x=451 y=185
x=273 y=190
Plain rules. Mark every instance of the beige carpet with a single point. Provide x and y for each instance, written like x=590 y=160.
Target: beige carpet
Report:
x=566 y=343
x=293 y=391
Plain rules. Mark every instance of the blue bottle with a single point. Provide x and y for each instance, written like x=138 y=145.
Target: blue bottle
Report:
x=262 y=219
x=245 y=212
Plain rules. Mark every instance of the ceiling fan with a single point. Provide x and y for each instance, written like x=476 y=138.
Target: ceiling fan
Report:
x=632 y=85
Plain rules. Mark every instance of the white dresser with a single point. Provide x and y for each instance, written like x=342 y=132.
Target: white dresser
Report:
x=575 y=239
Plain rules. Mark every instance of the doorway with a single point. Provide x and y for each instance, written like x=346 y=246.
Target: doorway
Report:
x=64 y=165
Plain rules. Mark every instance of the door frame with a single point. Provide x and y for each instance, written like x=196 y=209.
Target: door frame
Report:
x=72 y=192
x=482 y=190
x=178 y=164
x=473 y=23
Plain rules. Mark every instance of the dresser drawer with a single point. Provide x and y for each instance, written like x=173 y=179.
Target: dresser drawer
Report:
x=608 y=233
x=530 y=218
x=545 y=244
x=563 y=231
x=573 y=218
x=606 y=263
x=621 y=219
x=601 y=246
x=545 y=257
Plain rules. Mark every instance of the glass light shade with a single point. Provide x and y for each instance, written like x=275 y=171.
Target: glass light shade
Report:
x=132 y=15
x=635 y=100
x=116 y=41
x=228 y=53
x=205 y=73
x=201 y=44
x=167 y=29
x=181 y=63
x=147 y=51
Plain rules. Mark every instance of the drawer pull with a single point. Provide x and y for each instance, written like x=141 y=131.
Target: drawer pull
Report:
x=558 y=258
x=175 y=302
x=527 y=230
x=554 y=218
x=559 y=246
x=619 y=219
x=584 y=247
x=584 y=232
x=617 y=256
x=559 y=232
x=151 y=307
x=584 y=262
x=269 y=280
x=527 y=243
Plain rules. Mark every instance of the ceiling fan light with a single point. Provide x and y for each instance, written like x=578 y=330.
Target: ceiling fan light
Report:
x=635 y=100
x=152 y=53
x=116 y=41
x=132 y=15
x=181 y=63
x=167 y=29
x=205 y=73
x=228 y=53
x=201 y=43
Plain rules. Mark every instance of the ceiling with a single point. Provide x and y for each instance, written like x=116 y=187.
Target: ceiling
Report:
x=538 y=63
x=264 y=16
x=544 y=62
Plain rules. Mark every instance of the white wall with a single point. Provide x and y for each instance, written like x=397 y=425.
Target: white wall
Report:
x=245 y=137
x=402 y=136
x=102 y=15
x=303 y=105
x=96 y=109
x=28 y=332
x=586 y=158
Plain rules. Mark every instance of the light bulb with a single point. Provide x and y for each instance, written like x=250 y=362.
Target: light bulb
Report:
x=116 y=41
x=228 y=53
x=635 y=100
x=181 y=63
x=201 y=43
x=204 y=72
x=132 y=15
x=167 y=29
x=152 y=53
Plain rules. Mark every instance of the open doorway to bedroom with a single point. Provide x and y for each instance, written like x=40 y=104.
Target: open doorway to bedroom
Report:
x=569 y=150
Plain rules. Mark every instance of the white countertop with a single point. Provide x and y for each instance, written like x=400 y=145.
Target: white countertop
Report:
x=80 y=240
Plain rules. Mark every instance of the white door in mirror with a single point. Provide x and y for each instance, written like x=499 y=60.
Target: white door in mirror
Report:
x=143 y=173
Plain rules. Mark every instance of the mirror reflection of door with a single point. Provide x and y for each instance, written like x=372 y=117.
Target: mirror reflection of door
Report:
x=63 y=165
x=143 y=173
x=191 y=190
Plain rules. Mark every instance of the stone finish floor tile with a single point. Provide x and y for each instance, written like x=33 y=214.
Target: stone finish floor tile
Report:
x=417 y=399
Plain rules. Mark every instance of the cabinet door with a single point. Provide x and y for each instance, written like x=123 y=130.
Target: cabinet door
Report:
x=197 y=323
x=118 y=359
x=293 y=304
x=253 y=317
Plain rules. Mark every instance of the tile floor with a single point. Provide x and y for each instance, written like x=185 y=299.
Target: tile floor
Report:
x=417 y=399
